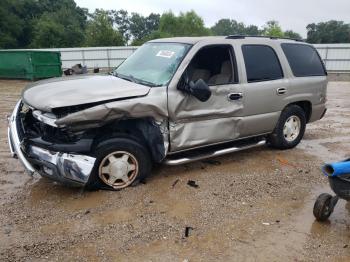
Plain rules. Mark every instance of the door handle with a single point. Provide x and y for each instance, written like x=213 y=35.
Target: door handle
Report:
x=235 y=96
x=281 y=91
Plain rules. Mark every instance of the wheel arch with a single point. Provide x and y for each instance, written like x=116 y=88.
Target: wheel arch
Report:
x=306 y=106
x=143 y=130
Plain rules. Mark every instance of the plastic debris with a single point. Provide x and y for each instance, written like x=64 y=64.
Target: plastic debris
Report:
x=187 y=231
x=175 y=182
x=77 y=69
x=192 y=183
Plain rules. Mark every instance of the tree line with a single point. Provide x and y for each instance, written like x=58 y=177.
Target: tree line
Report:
x=61 y=23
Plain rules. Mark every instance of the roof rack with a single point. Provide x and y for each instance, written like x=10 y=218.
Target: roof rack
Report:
x=261 y=36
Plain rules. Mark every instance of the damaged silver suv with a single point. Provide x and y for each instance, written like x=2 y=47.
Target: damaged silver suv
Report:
x=173 y=101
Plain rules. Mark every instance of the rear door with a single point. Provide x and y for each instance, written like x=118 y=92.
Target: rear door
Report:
x=309 y=76
x=265 y=87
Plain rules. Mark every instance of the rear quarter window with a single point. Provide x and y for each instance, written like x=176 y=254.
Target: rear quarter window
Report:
x=261 y=63
x=303 y=60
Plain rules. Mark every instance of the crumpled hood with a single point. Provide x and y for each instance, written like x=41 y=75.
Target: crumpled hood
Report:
x=70 y=91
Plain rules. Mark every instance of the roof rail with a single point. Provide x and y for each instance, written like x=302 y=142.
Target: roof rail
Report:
x=261 y=36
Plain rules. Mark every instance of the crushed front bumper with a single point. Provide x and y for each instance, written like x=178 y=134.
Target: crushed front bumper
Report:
x=64 y=167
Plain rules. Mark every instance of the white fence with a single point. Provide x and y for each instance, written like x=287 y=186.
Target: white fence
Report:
x=335 y=56
x=102 y=57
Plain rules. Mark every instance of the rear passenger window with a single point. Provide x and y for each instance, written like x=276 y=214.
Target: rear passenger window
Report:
x=261 y=63
x=303 y=60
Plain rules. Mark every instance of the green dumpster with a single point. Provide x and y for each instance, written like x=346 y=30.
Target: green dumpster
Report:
x=29 y=64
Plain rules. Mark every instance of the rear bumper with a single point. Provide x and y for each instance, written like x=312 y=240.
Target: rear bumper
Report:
x=64 y=167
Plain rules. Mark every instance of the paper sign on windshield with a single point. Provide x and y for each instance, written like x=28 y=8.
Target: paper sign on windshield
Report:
x=165 y=53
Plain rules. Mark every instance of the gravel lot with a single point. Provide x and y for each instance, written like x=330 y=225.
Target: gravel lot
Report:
x=254 y=205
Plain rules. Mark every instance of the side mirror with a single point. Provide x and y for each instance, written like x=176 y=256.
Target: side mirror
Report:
x=199 y=90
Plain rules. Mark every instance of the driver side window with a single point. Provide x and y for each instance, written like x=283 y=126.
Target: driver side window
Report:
x=214 y=64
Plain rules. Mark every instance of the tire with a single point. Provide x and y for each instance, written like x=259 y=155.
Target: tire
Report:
x=116 y=158
x=286 y=134
x=323 y=207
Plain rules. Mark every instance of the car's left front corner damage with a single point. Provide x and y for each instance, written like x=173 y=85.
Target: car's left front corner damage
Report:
x=45 y=142
x=46 y=149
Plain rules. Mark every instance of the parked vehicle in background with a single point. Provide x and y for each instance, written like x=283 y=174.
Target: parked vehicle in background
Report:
x=173 y=101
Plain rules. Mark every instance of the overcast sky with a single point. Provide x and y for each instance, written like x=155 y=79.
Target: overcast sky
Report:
x=292 y=14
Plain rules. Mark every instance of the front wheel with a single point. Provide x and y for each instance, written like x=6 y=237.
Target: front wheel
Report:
x=290 y=128
x=120 y=162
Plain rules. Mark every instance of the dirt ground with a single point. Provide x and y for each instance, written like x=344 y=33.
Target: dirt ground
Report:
x=250 y=206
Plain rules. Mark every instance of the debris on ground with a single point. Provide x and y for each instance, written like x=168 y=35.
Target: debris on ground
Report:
x=192 y=183
x=77 y=69
x=68 y=72
x=175 y=182
x=212 y=162
x=285 y=162
x=187 y=231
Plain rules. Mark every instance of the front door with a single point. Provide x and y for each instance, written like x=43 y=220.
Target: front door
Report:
x=193 y=123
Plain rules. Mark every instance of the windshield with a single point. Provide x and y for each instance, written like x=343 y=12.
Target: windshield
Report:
x=153 y=64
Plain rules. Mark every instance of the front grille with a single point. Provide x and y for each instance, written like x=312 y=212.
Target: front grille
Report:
x=33 y=128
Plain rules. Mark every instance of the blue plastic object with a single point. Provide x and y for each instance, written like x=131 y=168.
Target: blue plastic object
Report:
x=337 y=168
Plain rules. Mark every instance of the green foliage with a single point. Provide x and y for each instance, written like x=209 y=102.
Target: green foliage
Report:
x=141 y=27
x=292 y=34
x=61 y=23
x=41 y=23
x=186 y=24
x=252 y=30
x=272 y=28
x=122 y=21
x=227 y=27
x=232 y=27
x=135 y=26
x=50 y=30
x=153 y=35
x=328 y=32
x=100 y=31
x=170 y=25
x=10 y=25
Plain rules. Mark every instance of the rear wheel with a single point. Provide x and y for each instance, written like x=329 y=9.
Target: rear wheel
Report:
x=120 y=162
x=290 y=128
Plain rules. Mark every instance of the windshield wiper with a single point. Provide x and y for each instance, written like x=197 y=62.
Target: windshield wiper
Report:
x=131 y=78
x=147 y=83
x=128 y=78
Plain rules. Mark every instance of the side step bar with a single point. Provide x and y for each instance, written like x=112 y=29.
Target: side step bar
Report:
x=210 y=154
